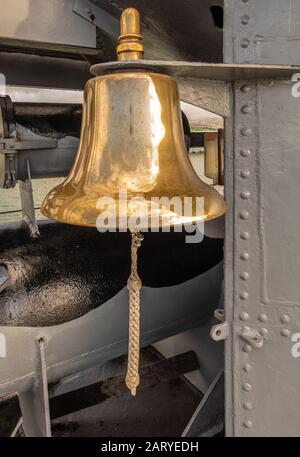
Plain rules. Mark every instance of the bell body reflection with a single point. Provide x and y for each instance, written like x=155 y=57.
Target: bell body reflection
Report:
x=131 y=140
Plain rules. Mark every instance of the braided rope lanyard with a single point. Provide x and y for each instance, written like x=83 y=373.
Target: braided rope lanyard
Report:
x=134 y=286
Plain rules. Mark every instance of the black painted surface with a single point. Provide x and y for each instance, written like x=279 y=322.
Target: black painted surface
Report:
x=186 y=30
x=69 y=270
x=53 y=120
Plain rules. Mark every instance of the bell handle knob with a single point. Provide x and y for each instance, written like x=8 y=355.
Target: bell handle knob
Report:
x=130 y=45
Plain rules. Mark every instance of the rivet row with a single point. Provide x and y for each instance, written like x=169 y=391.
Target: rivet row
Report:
x=245 y=195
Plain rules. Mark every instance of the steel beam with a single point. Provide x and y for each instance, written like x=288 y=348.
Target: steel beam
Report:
x=262 y=223
x=97 y=16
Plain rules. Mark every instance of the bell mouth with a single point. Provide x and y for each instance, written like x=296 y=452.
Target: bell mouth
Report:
x=130 y=212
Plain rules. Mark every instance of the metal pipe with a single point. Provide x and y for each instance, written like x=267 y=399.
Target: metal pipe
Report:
x=27 y=122
x=49 y=119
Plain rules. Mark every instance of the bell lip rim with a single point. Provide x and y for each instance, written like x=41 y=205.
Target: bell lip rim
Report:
x=219 y=215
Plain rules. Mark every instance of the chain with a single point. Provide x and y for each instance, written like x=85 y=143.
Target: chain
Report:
x=134 y=285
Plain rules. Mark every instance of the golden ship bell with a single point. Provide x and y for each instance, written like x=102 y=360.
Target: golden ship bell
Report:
x=131 y=140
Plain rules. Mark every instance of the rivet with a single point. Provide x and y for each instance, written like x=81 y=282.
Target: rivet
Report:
x=245 y=173
x=245 y=256
x=244 y=316
x=245 y=43
x=244 y=276
x=285 y=332
x=247 y=348
x=245 y=236
x=263 y=317
x=247 y=406
x=246 y=132
x=285 y=319
x=248 y=424
x=245 y=19
x=247 y=387
x=246 y=109
x=245 y=195
x=264 y=332
x=245 y=152
x=247 y=367
x=245 y=88
x=244 y=215
x=244 y=295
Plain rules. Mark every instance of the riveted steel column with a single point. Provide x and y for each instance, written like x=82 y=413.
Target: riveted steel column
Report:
x=262 y=248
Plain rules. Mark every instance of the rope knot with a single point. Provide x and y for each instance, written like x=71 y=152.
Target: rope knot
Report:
x=134 y=284
x=137 y=239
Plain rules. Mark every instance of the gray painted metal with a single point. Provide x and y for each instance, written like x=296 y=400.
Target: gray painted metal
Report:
x=27 y=203
x=262 y=288
x=35 y=71
x=219 y=332
x=45 y=49
x=51 y=22
x=97 y=337
x=213 y=96
x=97 y=16
x=4 y=278
x=49 y=162
x=17 y=429
x=171 y=30
x=11 y=144
x=208 y=419
x=262 y=31
x=199 y=70
x=45 y=163
x=203 y=84
x=47 y=157
x=35 y=404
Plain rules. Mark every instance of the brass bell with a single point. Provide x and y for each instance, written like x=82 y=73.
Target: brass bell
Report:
x=131 y=139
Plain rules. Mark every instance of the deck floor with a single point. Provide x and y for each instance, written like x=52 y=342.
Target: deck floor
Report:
x=161 y=408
